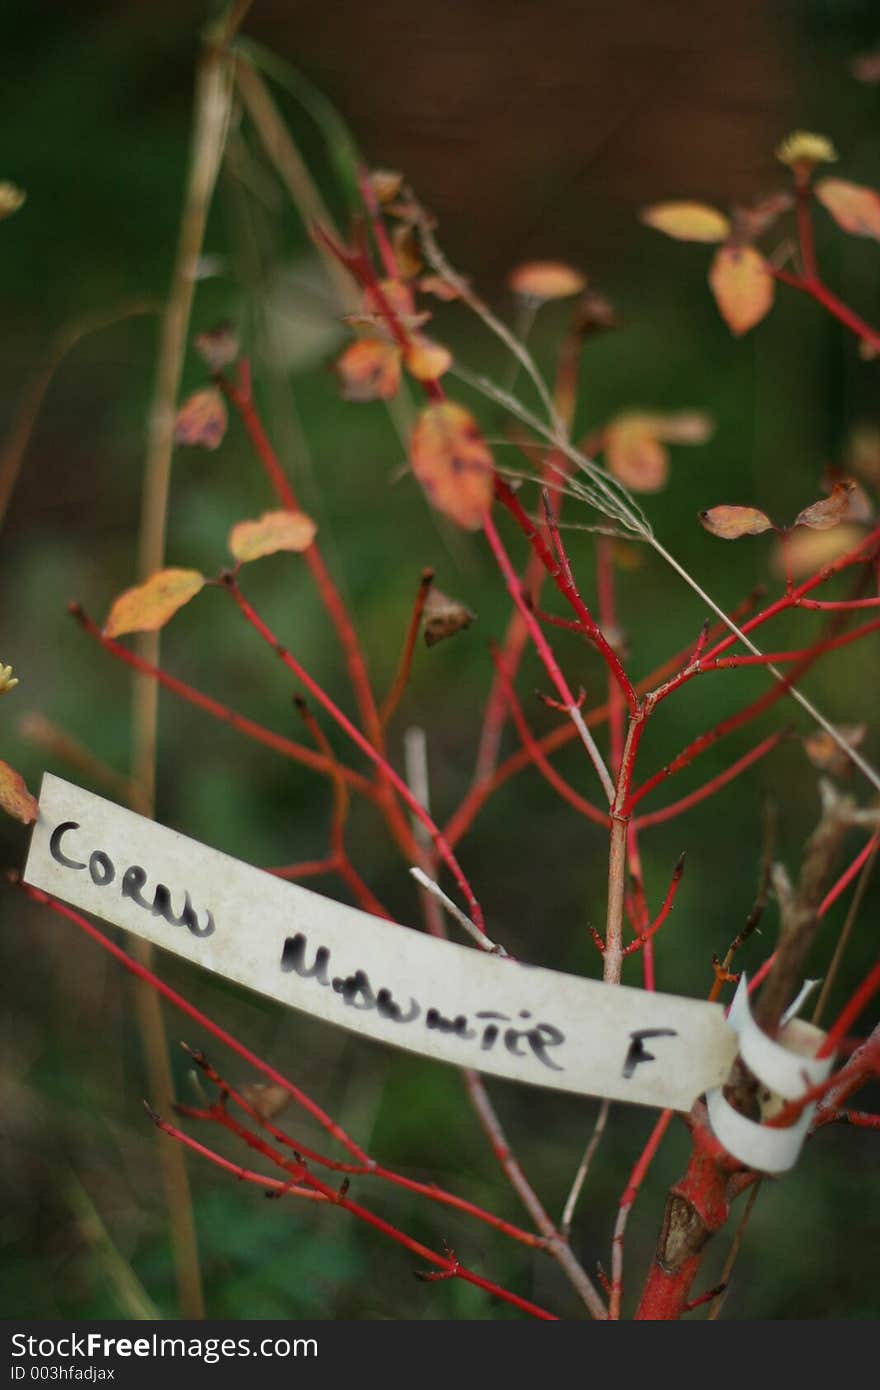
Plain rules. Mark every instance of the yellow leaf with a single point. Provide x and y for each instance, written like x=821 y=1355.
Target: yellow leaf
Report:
x=201 y=419
x=742 y=285
x=546 y=280
x=855 y=209
x=453 y=464
x=11 y=198
x=635 y=455
x=369 y=370
x=807 y=551
x=687 y=221
x=273 y=531
x=732 y=522
x=386 y=184
x=15 y=799
x=426 y=359
x=148 y=606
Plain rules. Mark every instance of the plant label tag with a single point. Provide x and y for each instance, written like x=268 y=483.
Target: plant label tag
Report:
x=386 y=982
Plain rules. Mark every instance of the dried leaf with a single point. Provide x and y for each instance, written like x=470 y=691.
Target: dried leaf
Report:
x=683 y=427
x=426 y=359
x=201 y=419
x=825 y=754
x=595 y=313
x=807 y=551
x=859 y=505
x=369 y=370
x=855 y=209
x=218 y=346
x=685 y=221
x=444 y=617
x=866 y=68
x=273 y=531
x=266 y=1099
x=546 y=280
x=752 y=222
x=732 y=522
x=828 y=512
x=635 y=455
x=440 y=288
x=11 y=198
x=15 y=799
x=386 y=184
x=453 y=464
x=148 y=606
x=407 y=250
x=742 y=285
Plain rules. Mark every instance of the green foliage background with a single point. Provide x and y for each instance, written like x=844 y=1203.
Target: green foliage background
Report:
x=96 y=121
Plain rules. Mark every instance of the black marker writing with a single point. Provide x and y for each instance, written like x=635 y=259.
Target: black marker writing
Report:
x=638 y=1052
x=102 y=872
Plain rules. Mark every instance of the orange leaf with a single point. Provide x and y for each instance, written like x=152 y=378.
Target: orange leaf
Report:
x=453 y=464
x=742 y=285
x=546 y=280
x=830 y=511
x=201 y=419
x=15 y=799
x=426 y=359
x=386 y=184
x=732 y=522
x=825 y=754
x=369 y=370
x=148 y=606
x=635 y=455
x=407 y=251
x=273 y=531
x=687 y=221
x=854 y=208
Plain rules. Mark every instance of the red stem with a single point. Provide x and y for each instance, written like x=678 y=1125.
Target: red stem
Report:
x=710 y=788
x=443 y=849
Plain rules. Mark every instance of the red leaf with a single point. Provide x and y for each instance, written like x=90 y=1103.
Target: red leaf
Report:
x=201 y=419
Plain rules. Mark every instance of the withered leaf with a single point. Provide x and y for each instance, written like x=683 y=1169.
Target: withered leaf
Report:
x=369 y=370
x=218 y=347
x=453 y=463
x=828 y=512
x=407 y=250
x=634 y=444
x=440 y=288
x=546 y=280
x=742 y=285
x=148 y=606
x=273 y=531
x=732 y=522
x=687 y=221
x=827 y=755
x=268 y=1100
x=11 y=198
x=15 y=799
x=855 y=209
x=201 y=419
x=444 y=617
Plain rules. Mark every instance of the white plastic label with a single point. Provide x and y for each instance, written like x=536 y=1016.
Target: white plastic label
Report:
x=387 y=982
x=787 y=1067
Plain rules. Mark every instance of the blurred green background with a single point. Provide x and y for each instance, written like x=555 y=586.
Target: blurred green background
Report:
x=531 y=130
